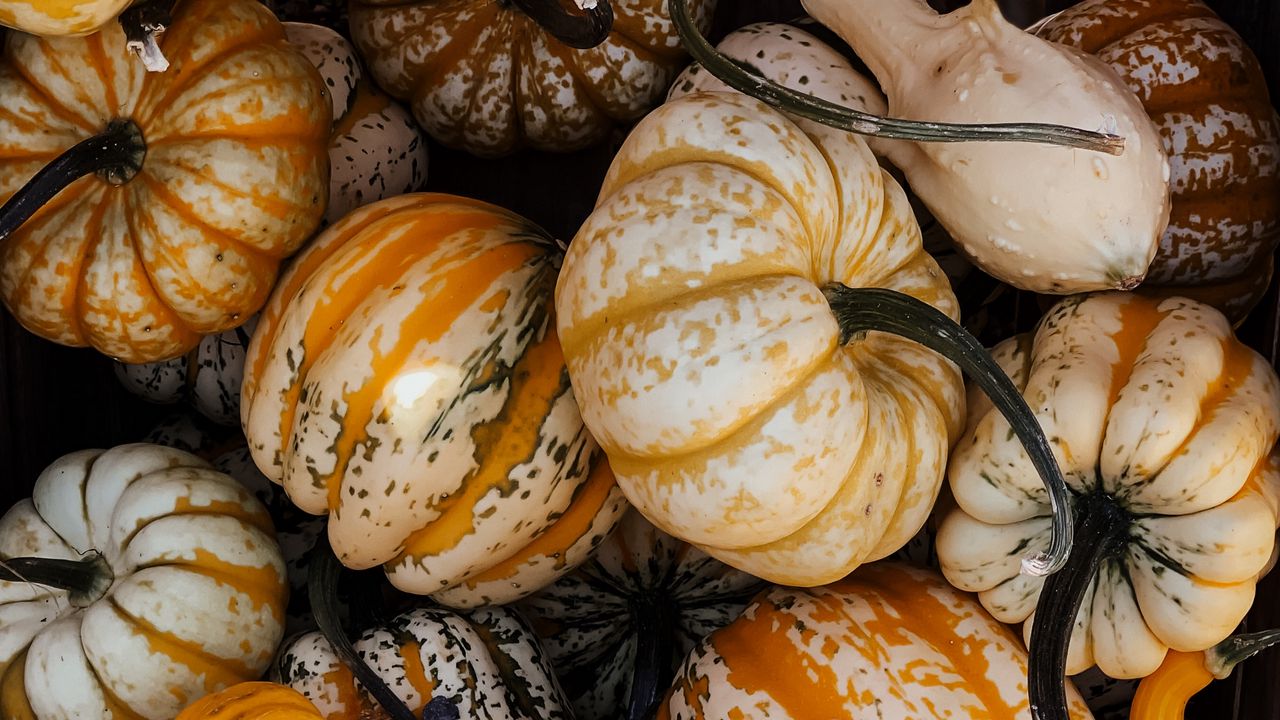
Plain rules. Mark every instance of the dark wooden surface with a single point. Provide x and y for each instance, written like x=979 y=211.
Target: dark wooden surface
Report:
x=54 y=400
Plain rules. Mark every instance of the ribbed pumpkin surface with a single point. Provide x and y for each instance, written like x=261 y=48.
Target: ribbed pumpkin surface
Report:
x=60 y=17
x=252 y=701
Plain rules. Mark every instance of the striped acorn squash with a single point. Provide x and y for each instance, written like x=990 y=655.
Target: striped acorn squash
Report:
x=134 y=581
x=407 y=380
x=617 y=627
x=252 y=701
x=1164 y=425
x=889 y=641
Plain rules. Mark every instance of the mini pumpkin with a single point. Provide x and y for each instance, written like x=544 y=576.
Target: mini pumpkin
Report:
x=1164 y=425
x=617 y=627
x=406 y=379
x=492 y=77
x=1206 y=94
x=60 y=17
x=135 y=580
x=252 y=701
x=889 y=641
x=199 y=180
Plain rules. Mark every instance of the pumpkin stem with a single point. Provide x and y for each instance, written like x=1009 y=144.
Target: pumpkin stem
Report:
x=142 y=24
x=859 y=310
x=323 y=570
x=744 y=79
x=115 y=154
x=86 y=580
x=654 y=629
x=586 y=28
x=1101 y=530
x=1222 y=658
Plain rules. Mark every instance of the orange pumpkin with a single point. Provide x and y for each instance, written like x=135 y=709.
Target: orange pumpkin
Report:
x=253 y=701
x=197 y=181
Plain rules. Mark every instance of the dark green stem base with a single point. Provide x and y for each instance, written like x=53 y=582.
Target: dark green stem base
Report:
x=859 y=310
x=116 y=154
x=581 y=29
x=1222 y=658
x=740 y=77
x=86 y=580
x=1102 y=528
x=654 y=624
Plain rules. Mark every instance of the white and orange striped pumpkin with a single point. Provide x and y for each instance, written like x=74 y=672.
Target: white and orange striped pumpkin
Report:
x=184 y=594
x=709 y=364
x=60 y=17
x=406 y=379
x=889 y=641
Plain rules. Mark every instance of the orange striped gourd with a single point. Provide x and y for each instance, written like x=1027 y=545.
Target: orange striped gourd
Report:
x=252 y=701
x=60 y=17
x=406 y=379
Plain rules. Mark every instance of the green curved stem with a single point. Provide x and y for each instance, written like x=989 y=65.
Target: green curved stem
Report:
x=85 y=580
x=1102 y=527
x=323 y=570
x=1222 y=658
x=584 y=29
x=858 y=310
x=654 y=628
x=741 y=78
x=116 y=154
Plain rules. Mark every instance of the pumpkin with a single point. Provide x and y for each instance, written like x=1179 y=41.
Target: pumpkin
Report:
x=1163 y=694
x=490 y=78
x=252 y=701
x=971 y=68
x=60 y=17
x=1206 y=94
x=1164 y=425
x=888 y=641
x=704 y=309
x=200 y=179
x=616 y=628
x=135 y=580
x=406 y=379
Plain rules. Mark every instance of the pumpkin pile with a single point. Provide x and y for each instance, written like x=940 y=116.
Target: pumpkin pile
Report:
x=719 y=444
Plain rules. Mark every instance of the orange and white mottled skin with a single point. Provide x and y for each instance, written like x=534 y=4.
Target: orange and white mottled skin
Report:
x=482 y=76
x=196 y=603
x=406 y=379
x=1206 y=93
x=1158 y=405
x=54 y=18
x=235 y=178
x=890 y=641
x=487 y=663
x=708 y=363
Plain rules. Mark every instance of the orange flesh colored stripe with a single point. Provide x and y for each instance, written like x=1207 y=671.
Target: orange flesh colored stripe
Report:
x=259 y=520
x=454 y=293
x=369 y=100
x=13 y=690
x=344 y=685
x=415 y=673
x=264 y=586
x=1138 y=318
x=510 y=439
x=568 y=529
x=251 y=700
x=1163 y=695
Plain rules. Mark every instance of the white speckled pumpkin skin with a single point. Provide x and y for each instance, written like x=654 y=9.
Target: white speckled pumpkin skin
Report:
x=487 y=662
x=60 y=17
x=482 y=76
x=1156 y=404
x=233 y=181
x=197 y=603
x=707 y=361
x=1205 y=92
x=406 y=379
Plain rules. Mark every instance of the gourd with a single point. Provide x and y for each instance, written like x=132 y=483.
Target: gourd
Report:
x=616 y=628
x=407 y=380
x=971 y=66
x=196 y=181
x=1206 y=94
x=888 y=641
x=252 y=701
x=1163 y=694
x=134 y=581
x=740 y=317
x=60 y=17
x=490 y=78
x=1164 y=424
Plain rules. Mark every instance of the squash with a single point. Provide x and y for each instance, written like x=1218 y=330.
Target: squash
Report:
x=1205 y=92
x=1164 y=425
x=252 y=701
x=60 y=17
x=406 y=379
x=429 y=662
x=134 y=581
x=1163 y=694
x=616 y=628
x=490 y=78
x=750 y=400
x=888 y=641
x=972 y=66
x=199 y=180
